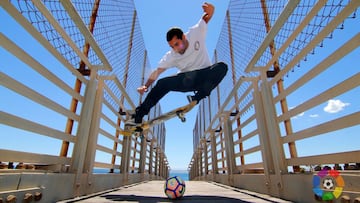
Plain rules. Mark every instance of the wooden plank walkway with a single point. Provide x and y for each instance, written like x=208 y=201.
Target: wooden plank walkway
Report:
x=196 y=191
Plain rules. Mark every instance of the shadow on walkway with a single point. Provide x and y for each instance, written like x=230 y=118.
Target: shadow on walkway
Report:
x=189 y=198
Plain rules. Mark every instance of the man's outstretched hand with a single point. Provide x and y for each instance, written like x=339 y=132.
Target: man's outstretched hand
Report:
x=142 y=89
x=208 y=11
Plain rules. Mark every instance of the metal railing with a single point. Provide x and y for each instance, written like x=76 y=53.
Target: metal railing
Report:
x=66 y=93
x=252 y=133
x=65 y=98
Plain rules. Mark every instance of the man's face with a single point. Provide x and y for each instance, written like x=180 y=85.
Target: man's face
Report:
x=178 y=44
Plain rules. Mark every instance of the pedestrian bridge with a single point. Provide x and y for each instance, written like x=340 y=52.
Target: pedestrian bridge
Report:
x=196 y=191
x=282 y=126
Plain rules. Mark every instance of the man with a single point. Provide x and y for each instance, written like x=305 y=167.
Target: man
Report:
x=190 y=56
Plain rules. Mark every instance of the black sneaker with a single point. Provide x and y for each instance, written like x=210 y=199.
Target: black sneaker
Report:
x=131 y=122
x=191 y=99
x=136 y=118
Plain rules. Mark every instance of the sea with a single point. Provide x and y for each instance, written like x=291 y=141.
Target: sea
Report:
x=183 y=174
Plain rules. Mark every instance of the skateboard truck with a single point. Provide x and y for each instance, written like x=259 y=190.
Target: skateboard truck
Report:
x=181 y=116
x=135 y=130
x=138 y=132
x=139 y=129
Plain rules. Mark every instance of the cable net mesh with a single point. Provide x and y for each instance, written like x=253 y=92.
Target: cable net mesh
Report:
x=244 y=30
x=116 y=30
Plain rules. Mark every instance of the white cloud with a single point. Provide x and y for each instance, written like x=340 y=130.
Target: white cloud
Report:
x=299 y=115
x=314 y=115
x=335 y=105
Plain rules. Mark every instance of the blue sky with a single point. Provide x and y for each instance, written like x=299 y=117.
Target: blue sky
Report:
x=179 y=142
x=156 y=17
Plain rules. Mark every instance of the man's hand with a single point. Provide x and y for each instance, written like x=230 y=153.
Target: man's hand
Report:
x=142 y=89
x=208 y=11
x=153 y=76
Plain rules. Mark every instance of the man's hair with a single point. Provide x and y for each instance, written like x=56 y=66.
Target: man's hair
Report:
x=175 y=31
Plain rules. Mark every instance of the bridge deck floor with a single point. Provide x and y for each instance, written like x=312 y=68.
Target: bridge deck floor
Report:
x=196 y=191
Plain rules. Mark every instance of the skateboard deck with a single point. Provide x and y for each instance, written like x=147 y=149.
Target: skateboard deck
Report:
x=179 y=112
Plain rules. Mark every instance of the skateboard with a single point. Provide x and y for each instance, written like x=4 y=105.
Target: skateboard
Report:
x=139 y=129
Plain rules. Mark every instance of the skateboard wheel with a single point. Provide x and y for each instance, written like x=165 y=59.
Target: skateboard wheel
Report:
x=183 y=119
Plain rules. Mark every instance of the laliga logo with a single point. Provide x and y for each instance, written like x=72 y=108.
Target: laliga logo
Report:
x=328 y=184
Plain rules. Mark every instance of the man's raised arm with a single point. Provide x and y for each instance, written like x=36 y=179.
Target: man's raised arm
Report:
x=208 y=11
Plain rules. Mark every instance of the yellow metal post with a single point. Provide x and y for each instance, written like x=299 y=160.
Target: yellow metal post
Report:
x=280 y=86
x=77 y=88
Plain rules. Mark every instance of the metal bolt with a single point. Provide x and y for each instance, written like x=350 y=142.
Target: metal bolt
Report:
x=11 y=199
x=28 y=197
x=345 y=199
x=38 y=196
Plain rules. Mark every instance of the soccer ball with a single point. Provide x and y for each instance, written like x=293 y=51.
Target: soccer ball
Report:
x=328 y=184
x=174 y=187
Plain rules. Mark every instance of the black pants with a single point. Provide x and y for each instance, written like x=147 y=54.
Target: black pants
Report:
x=200 y=81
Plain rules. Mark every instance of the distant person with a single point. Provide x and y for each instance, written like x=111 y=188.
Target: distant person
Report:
x=189 y=55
